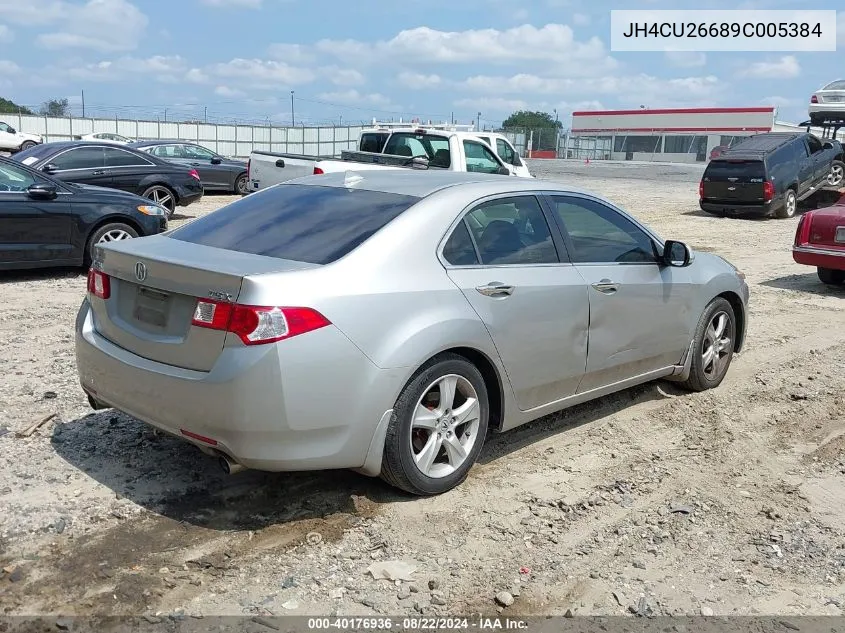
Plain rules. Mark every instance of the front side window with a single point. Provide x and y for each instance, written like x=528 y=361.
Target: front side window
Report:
x=80 y=158
x=5 y=128
x=197 y=153
x=167 y=151
x=14 y=180
x=480 y=159
x=505 y=151
x=512 y=230
x=815 y=144
x=601 y=235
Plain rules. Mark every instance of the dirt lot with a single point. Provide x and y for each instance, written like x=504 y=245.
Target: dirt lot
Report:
x=652 y=501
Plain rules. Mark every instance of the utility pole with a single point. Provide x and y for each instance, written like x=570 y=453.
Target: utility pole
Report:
x=292 y=119
x=83 y=104
x=478 y=122
x=206 y=113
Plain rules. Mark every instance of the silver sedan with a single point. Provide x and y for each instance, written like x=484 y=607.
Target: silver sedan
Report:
x=828 y=103
x=386 y=321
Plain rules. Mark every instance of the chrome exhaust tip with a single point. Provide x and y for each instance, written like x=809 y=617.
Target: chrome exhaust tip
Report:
x=229 y=466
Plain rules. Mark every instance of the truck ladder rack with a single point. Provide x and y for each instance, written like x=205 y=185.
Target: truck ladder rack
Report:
x=830 y=128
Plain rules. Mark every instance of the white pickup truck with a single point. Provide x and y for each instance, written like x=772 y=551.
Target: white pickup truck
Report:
x=418 y=148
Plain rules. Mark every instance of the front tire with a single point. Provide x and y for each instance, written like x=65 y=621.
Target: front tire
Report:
x=837 y=174
x=162 y=195
x=714 y=346
x=830 y=276
x=242 y=185
x=112 y=232
x=27 y=144
x=790 y=205
x=438 y=427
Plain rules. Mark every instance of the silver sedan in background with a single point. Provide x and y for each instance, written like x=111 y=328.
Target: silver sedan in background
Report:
x=385 y=321
x=828 y=103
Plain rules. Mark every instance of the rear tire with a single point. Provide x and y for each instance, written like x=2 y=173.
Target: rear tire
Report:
x=790 y=205
x=431 y=444
x=112 y=232
x=242 y=185
x=837 y=174
x=830 y=276
x=713 y=350
x=162 y=195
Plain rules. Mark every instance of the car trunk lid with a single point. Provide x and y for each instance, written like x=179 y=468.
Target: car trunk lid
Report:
x=735 y=181
x=154 y=285
x=827 y=228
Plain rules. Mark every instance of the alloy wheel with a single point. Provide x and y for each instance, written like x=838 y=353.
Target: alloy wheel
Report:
x=445 y=424
x=162 y=196
x=717 y=347
x=836 y=176
x=114 y=236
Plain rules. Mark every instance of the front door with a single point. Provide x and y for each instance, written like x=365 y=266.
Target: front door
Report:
x=819 y=158
x=31 y=230
x=640 y=310
x=83 y=165
x=508 y=154
x=531 y=299
x=199 y=158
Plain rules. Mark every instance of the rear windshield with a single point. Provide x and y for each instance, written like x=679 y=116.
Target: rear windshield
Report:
x=835 y=85
x=745 y=169
x=33 y=154
x=304 y=223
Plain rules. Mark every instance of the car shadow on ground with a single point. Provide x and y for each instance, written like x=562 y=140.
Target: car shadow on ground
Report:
x=40 y=274
x=808 y=282
x=174 y=479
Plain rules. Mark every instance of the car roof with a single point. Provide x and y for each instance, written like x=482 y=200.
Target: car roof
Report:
x=761 y=144
x=421 y=183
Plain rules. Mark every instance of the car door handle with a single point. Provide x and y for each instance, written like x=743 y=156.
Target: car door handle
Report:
x=495 y=289
x=99 y=172
x=606 y=286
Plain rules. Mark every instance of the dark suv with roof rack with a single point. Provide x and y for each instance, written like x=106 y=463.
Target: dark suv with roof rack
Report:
x=768 y=174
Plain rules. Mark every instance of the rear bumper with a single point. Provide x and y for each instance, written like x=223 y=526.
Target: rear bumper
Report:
x=837 y=109
x=819 y=257
x=712 y=206
x=308 y=403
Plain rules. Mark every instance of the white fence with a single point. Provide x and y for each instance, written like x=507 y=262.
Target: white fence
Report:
x=226 y=140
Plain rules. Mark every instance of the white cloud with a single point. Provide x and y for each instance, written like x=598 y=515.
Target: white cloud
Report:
x=197 y=76
x=343 y=76
x=163 y=68
x=6 y=34
x=631 y=89
x=581 y=19
x=103 y=25
x=782 y=102
x=354 y=97
x=34 y=12
x=9 y=68
x=419 y=81
x=263 y=74
x=685 y=59
x=492 y=104
x=787 y=67
x=552 y=44
x=290 y=53
x=226 y=91
x=235 y=4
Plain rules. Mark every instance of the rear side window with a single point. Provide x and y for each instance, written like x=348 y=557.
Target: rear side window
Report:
x=745 y=170
x=372 y=142
x=302 y=223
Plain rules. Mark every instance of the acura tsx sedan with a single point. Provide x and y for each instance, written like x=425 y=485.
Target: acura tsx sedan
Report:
x=386 y=321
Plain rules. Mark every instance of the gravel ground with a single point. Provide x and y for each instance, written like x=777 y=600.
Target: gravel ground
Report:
x=652 y=501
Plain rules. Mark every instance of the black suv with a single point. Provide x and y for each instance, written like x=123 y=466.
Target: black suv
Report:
x=769 y=173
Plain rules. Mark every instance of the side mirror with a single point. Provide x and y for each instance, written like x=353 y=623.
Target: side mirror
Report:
x=216 y=160
x=42 y=192
x=49 y=168
x=504 y=171
x=676 y=254
x=12 y=130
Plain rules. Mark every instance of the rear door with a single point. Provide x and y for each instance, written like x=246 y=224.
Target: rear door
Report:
x=734 y=181
x=84 y=165
x=32 y=230
x=531 y=299
x=127 y=169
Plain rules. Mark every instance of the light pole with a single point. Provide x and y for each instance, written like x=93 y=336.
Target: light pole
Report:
x=292 y=120
x=478 y=122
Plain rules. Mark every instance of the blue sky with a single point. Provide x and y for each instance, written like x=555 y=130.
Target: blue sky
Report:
x=354 y=60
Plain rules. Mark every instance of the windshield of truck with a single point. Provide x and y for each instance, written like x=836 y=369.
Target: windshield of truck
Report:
x=434 y=148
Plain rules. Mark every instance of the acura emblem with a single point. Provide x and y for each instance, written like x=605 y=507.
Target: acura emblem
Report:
x=140 y=271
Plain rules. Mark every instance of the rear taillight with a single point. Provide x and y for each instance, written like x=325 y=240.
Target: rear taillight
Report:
x=248 y=165
x=256 y=325
x=701 y=190
x=99 y=284
x=768 y=190
x=194 y=174
x=802 y=233
x=318 y=171
x=814 y=99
